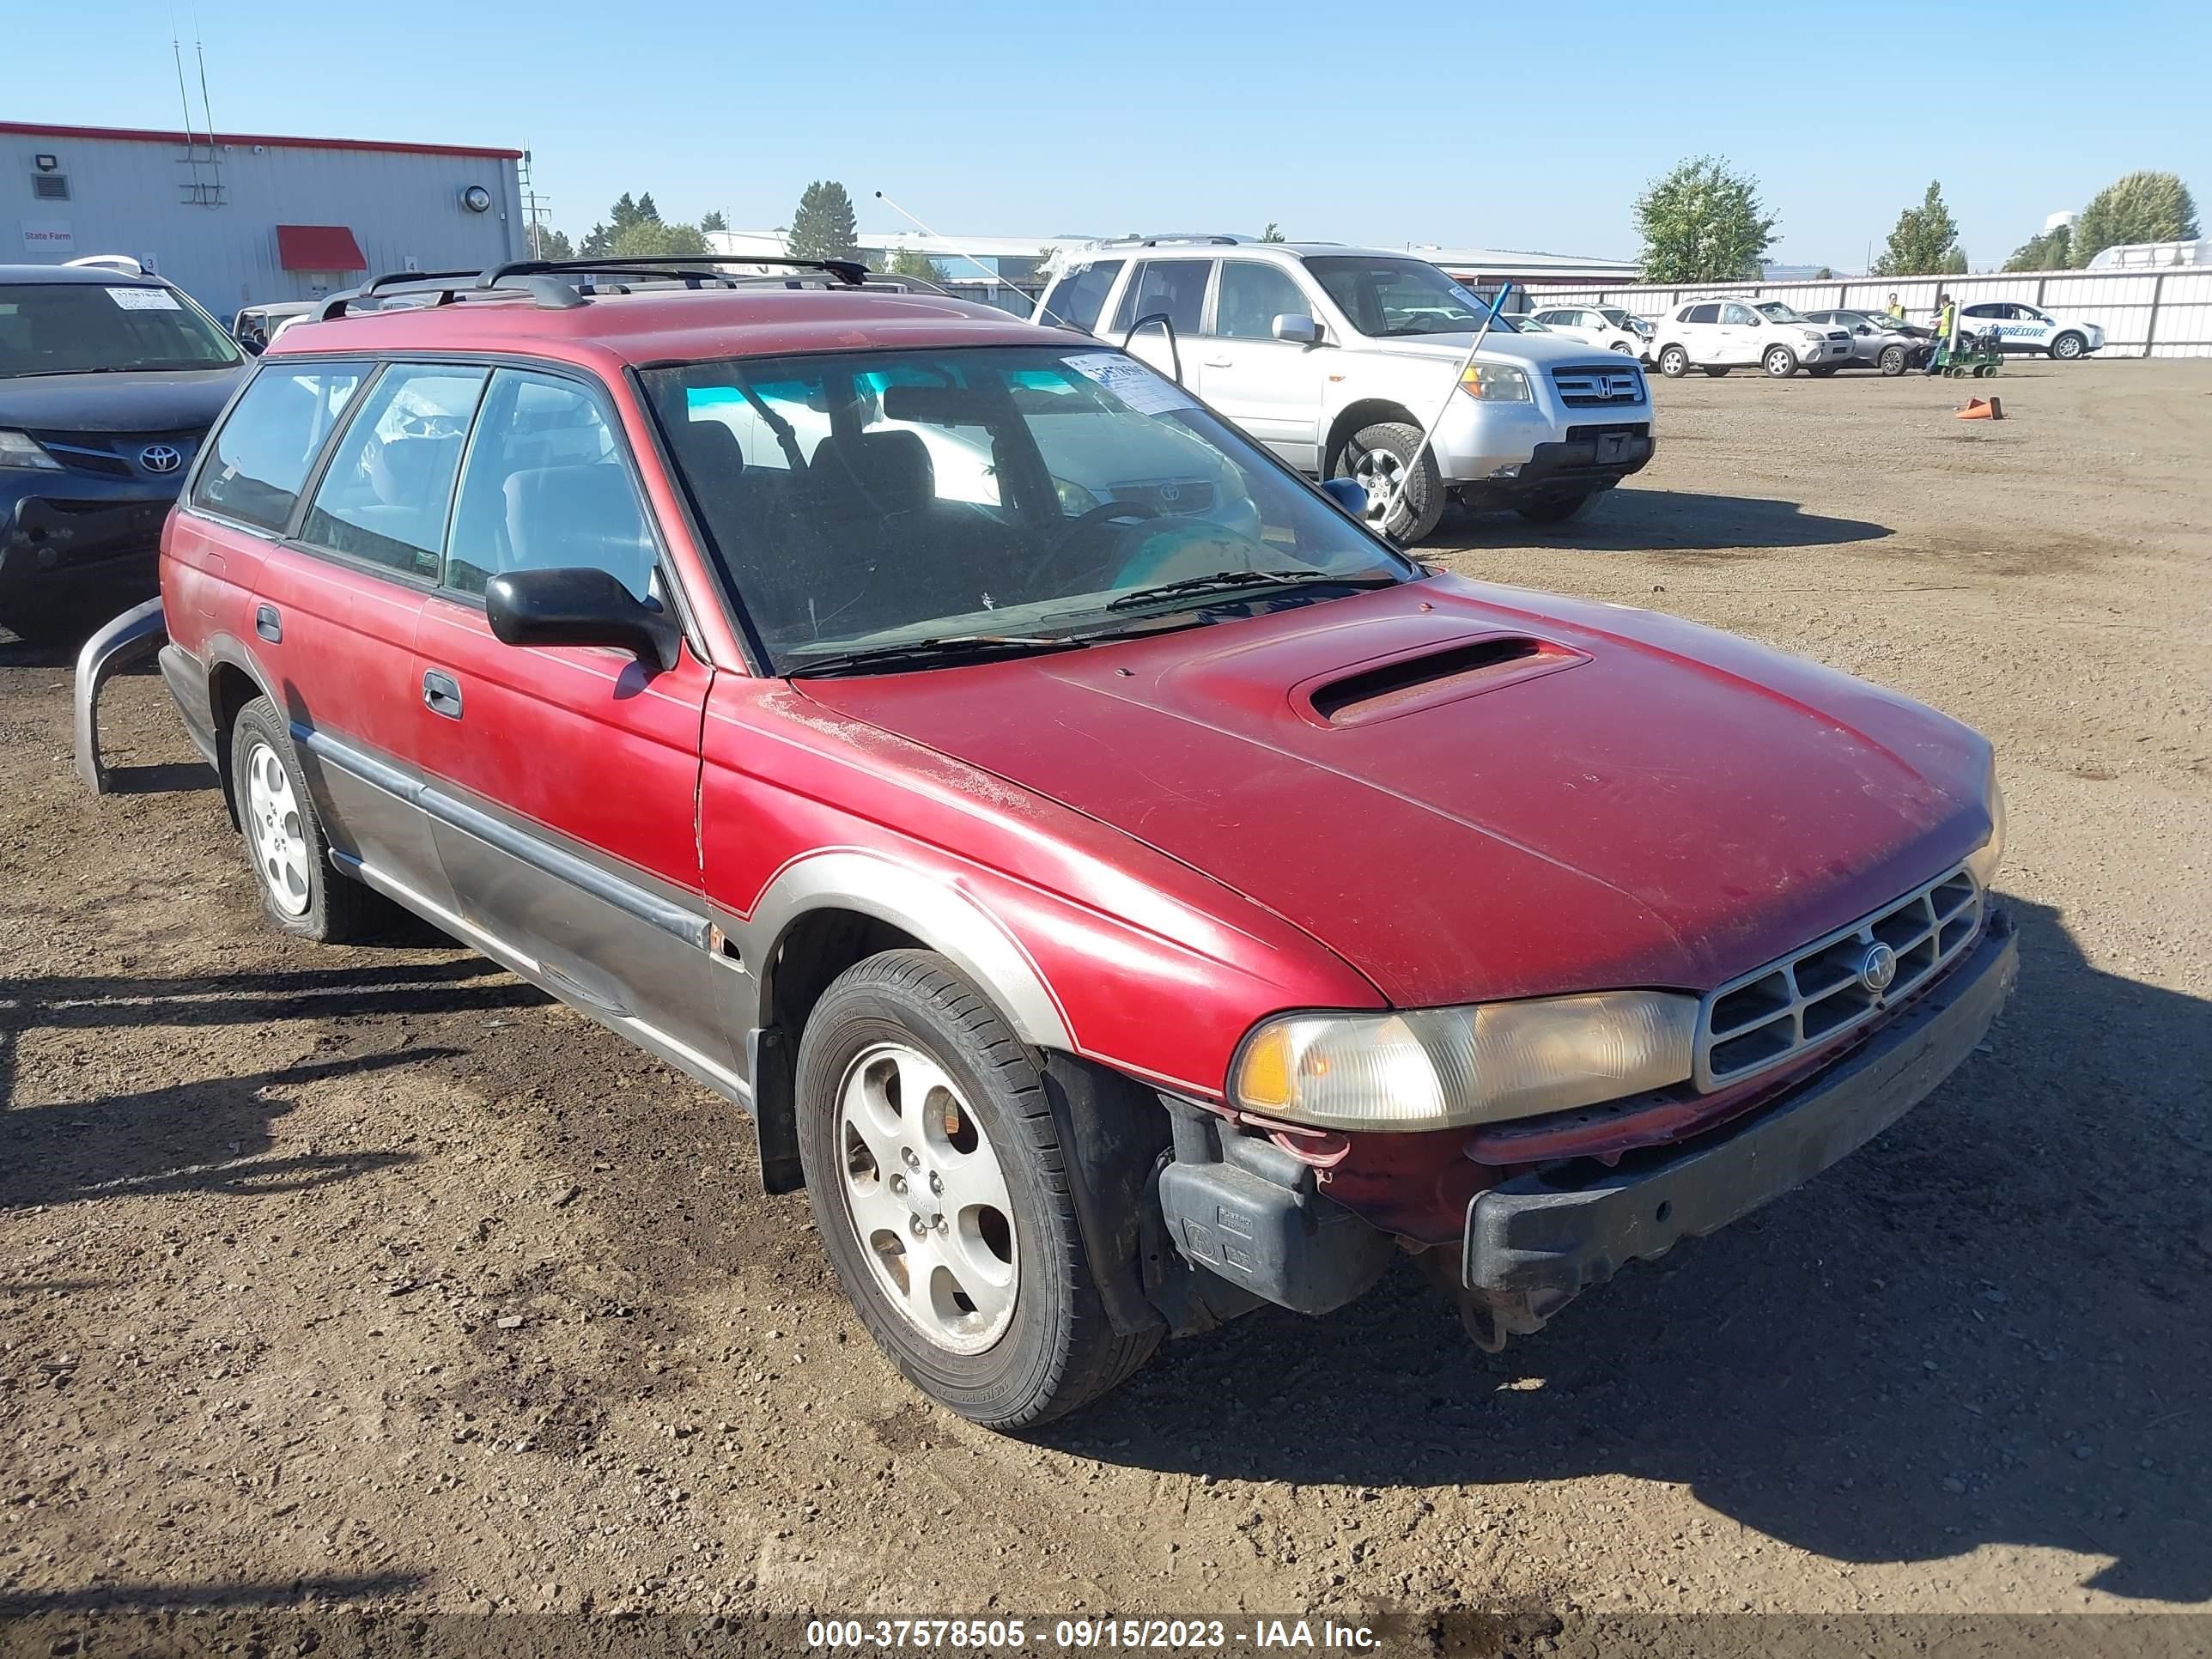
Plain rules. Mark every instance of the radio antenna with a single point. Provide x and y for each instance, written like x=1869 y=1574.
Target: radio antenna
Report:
x=962 y=252
x=199 y=51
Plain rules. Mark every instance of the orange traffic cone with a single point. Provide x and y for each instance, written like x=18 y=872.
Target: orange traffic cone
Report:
x=1976 y=410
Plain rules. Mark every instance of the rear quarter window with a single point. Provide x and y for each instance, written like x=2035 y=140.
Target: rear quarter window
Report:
x=259 y=457
x=1077 y=298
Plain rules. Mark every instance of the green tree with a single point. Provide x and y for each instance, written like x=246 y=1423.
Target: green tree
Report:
x=552 y=244
x=1925 y=242
x=2143 y=207
x=644 y=211
x=1273 y=233
x=649 y=239
x=1703 y=222
x=1824 y=275
x=2045 y=253
x=823 y=229
x=714 y=220
x=906 y=262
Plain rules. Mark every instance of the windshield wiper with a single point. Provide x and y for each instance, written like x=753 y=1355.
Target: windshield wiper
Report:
x=1225 y=582
x=950 y=647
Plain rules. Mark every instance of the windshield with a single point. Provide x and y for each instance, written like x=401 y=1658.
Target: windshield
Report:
x=1775 y=310
x=87 y=328
x=1383 y=297
x=872 y=500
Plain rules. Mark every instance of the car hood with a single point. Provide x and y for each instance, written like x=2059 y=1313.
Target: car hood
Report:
x=168 y=401
x=1621 y=798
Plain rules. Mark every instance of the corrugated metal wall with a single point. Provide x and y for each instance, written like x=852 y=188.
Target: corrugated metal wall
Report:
x=2143 y=313
x=130 y=196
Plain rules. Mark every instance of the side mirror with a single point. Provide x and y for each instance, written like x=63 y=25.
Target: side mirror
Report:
x=1347 y=493
x=578 y=607
x=1297 y=329
x=1863 y=329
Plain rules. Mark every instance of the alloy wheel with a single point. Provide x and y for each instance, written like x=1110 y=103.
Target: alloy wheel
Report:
x=278 y=831
x=925 y=1193
x=1382 y=475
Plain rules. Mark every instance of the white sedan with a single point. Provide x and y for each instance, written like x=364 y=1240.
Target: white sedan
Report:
x=2026 y=328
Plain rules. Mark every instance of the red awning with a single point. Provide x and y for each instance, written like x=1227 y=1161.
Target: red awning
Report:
x=317 y=247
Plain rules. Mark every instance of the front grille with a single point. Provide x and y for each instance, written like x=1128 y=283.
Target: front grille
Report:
x=1817 y=993
x=1596 y=385
x=1583 y=434
x=115 y=454
x=1168 y=495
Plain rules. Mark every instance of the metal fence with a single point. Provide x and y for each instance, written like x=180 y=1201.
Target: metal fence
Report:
x=2163 y=313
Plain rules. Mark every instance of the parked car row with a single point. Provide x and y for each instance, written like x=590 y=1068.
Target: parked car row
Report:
x=1121 y=889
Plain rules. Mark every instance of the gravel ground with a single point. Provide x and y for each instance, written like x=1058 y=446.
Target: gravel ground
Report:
x=372 y=1277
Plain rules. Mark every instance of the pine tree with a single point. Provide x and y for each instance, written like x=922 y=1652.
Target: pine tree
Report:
x=823 y=227
x=714 y=220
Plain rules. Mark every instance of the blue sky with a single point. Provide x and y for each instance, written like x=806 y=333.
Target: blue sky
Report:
x=1350 y=122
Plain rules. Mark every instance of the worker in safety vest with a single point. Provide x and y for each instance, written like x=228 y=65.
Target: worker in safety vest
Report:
x=1896 y=308
x=1946 y=332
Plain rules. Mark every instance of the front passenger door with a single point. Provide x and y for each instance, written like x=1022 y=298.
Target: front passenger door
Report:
x=561 y=782
x=1270 y=388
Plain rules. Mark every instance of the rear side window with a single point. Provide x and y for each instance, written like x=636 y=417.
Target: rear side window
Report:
x=1702 y=314
x=1078 y=297
x=260 y=457
x=385 y=495
x=547 y=488
x=1176 y=287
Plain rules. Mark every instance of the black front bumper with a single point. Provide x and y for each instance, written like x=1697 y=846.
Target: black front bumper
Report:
x=1594 y=457
x=63 y=528
x=1533 y=1243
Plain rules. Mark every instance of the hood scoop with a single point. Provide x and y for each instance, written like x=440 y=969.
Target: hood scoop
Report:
x=1425 y=678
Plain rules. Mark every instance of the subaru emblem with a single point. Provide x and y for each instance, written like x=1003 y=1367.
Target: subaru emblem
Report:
x=1878 y=969
x=160 y=457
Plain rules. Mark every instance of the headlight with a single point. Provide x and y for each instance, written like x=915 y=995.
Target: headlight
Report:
x=1495 y=383
x=20 y=449
x=1441 y=1068
x=1074 y=500
x=1984 y=860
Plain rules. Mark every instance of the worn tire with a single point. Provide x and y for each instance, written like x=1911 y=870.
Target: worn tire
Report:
x=1556 y=509
x=1421 y=499
x=1895 y=361
x=1674 y=362
x=1780 y=363
x=337 y=908
x=2068 y=346
x=1060 y=1351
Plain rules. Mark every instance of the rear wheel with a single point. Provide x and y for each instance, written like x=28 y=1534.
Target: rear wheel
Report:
x=1404 y=491
x=1893 y=360
x=1780 y=363
x=941 y=1193
x=300 y=891
x=1556 y=509
x=2067 y=347
x=1674 y=362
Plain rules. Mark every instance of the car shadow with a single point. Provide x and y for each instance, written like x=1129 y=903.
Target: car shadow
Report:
x=1974 y=1331
x=1630 y=519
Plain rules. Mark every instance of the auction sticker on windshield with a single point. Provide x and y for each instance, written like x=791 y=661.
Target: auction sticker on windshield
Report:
x=1143 y=391
x=144 y=299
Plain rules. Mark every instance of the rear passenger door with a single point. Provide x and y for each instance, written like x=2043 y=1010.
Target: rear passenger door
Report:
x=1174 y=290
x=335 y=612
x=561 y=782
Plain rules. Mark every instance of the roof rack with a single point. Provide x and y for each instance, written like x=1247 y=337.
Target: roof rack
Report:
x=1217 y=239
x=541 y=279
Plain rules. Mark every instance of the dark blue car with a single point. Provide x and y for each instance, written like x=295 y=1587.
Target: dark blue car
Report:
x=109 y=380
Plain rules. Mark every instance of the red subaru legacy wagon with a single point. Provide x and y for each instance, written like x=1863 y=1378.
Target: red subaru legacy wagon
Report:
x=1120 y=890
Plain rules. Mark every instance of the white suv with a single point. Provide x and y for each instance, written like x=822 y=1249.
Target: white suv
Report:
x=1338 y=358
x=1599 y=325
x=2025 y=327
x=1719 y=335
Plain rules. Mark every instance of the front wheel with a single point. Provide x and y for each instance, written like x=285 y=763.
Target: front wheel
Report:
x=1893 y=361
x=2067 y=347
x=301 y=892
x=941 y=1192
x=1404 y=491
x=1780 y=363
x=1623 y=348
x=1674 y=362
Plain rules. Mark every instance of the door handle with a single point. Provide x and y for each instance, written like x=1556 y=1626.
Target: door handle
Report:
x=1219 y=362
x=268 y=623
x=441 y=694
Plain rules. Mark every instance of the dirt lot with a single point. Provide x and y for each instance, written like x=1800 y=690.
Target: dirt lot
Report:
x=374 y=1277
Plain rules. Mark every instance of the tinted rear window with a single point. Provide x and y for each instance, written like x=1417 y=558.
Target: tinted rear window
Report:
x=1172 y=287
x=259 y=457
x=1078 y=297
